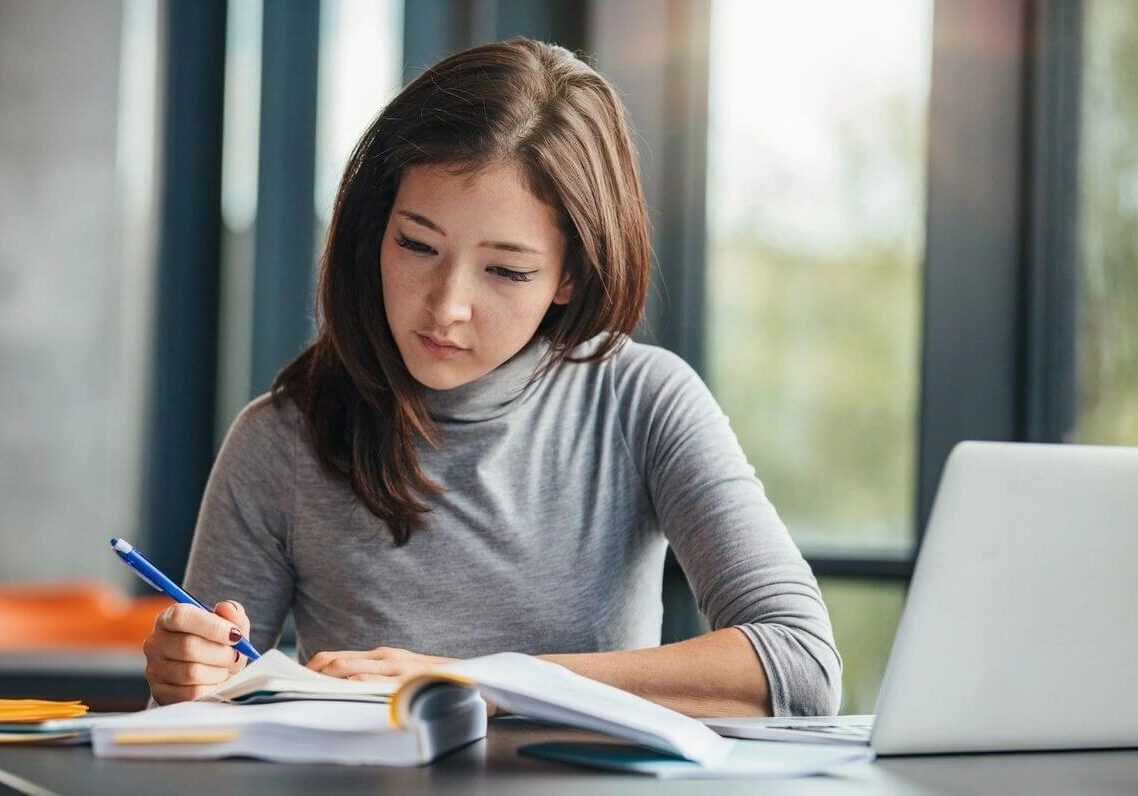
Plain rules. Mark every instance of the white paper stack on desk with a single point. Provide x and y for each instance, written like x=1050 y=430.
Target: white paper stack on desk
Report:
x=275 y=709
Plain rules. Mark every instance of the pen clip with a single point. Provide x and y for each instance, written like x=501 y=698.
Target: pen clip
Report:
x=145 y=579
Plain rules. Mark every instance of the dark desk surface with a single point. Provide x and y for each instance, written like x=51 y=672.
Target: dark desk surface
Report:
x=108 y=681
x=493 y=766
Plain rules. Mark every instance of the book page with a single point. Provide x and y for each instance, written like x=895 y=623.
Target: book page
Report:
x=275 y=672
x=535 y=688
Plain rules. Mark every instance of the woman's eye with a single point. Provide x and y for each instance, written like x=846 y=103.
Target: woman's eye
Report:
x=410 y=244
x=513 y=276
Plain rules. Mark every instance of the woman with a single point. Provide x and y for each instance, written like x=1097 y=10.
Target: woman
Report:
x=472 y=456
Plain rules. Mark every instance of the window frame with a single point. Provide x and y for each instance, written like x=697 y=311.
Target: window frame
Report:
x=999 y=294
x=997 y=335
x=178 y=445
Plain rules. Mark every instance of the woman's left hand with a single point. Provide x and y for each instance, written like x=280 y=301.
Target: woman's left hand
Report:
x=385 y=664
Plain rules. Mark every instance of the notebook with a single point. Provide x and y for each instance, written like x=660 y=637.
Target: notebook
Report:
x=747 y=759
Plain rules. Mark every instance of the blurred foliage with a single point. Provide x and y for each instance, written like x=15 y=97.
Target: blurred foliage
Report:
x=865 y=616
x=1108 y=226
x=814 y=359
x=814 y=291
x=813 y=339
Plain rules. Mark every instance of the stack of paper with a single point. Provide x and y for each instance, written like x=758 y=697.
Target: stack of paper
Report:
x=41 y=720
x=307 y=731
x=276 y=709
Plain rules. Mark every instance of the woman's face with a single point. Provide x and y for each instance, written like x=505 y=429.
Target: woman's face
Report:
x=470 y=265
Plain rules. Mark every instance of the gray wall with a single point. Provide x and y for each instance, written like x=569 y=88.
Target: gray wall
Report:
x=72 y=294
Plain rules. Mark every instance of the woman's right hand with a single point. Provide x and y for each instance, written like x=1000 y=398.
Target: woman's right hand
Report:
x=190 y=651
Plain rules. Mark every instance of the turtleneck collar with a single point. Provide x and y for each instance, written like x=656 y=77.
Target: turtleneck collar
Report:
x=492 y=395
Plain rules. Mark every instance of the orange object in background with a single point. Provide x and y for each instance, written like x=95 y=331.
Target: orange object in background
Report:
x=74 y=615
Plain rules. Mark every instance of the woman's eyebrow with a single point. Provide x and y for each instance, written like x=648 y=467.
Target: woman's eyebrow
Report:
x=423 y=220
x=519 y=248
x=506 y=246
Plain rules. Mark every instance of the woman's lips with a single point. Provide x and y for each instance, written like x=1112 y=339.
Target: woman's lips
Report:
x=439 y=349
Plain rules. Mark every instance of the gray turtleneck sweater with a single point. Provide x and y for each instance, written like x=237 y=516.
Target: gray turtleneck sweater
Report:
x=561 y=498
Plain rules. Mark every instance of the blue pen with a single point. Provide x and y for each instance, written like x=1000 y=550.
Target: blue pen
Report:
x=151 y=574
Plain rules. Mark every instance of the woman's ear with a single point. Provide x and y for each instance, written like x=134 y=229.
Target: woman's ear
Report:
x=564 y=291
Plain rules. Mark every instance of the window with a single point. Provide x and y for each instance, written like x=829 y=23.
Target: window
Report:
x=239 y=162
x=358 y=72
x=1107 y=326
x=361 y=62
x=816 y=214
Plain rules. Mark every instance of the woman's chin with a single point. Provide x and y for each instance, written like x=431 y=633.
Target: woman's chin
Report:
x=440 y=376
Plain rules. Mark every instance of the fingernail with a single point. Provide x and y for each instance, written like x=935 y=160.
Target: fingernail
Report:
x=234 y=635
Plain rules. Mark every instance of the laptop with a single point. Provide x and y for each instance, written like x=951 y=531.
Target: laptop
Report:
x=1020 y=631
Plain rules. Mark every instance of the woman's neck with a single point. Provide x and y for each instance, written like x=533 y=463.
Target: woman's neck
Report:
x=492 y=395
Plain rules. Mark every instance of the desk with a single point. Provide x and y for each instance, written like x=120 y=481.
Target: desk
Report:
x=492 y=766
x=108 y=681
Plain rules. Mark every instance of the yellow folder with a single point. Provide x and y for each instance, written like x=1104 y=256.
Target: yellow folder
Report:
x=21 y=711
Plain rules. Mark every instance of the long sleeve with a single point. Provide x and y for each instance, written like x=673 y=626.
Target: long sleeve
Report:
x=739 y=558
x=241 y=542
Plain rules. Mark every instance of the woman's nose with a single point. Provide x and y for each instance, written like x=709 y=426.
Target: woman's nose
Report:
x=449 y=300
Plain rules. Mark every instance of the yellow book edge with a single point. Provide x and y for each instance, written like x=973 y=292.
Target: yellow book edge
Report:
x=134 y=738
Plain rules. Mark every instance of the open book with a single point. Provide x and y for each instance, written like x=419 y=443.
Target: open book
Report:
x=428 y=715
x=538 y=689
x=275 y=677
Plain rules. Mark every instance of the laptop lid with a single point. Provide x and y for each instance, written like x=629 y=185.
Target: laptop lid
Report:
x=1021 y=626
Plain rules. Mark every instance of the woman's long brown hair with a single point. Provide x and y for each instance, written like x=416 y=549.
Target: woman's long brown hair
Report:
x=520 y=100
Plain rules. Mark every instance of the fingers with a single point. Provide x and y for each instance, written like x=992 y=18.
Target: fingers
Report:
x=179 y=618
x=233 y=611
x=321 y=660
x=188 y=674
x=164 y=694
x=383 y=663
x=190 y=650
x=176 y=681
x=352 y=667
